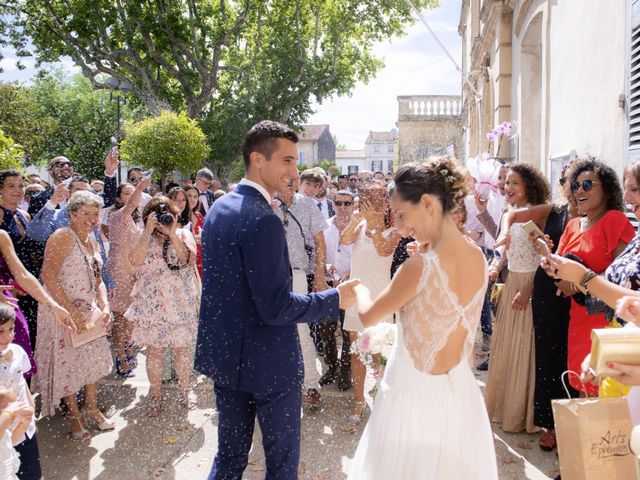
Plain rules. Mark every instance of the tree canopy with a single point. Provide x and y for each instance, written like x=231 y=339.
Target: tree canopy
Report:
x=60 y=116
x=228 y=63
x=10 y=153
x=166 y=143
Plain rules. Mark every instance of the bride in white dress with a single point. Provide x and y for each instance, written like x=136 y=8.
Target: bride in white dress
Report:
x=429 y=420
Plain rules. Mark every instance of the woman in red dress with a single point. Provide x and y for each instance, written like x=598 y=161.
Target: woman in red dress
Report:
x=596 y=238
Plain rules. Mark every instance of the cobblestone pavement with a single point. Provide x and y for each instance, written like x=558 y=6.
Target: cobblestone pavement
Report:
x=177 y=445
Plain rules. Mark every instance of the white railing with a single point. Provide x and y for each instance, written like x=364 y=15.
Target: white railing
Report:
x=430 y=106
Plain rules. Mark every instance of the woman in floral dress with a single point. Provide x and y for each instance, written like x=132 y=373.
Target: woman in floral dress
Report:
x=163 y=302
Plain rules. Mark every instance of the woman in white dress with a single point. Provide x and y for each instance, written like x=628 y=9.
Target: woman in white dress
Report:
x=371 y=262
x=429 y=420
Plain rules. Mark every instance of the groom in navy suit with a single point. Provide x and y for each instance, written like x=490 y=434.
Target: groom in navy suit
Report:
x=247 y=339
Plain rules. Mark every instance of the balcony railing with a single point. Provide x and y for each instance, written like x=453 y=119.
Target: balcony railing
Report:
x=429 y=106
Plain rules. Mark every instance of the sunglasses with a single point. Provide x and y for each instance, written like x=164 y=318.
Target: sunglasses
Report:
x=61 y=164
x=586 y=185
x=340 y=203
x=134 y=179
x=353 y=179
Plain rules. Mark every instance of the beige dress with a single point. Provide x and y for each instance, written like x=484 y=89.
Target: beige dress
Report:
x=373 y=270
x=123 y=233
x=511 y=380
x=64 y=370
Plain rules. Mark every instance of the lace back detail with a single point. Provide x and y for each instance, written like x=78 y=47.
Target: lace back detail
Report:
x=430 y=318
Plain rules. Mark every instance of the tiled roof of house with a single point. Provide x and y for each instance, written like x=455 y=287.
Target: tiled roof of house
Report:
x=349 y=153
x=312 y=132
x=391 y=136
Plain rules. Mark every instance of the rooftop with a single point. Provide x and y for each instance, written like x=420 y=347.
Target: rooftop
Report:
x=312 y=132
x=391 y=136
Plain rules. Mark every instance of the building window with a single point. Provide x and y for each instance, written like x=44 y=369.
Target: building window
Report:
x=376 y=149
x=376 y=166
x=390 y=166
x=391 y=148
x=352 y=169
x=423 y=152
x=301 y=158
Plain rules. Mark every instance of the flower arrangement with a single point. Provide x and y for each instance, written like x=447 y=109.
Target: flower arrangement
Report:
x=373 y=347
x=499 y=132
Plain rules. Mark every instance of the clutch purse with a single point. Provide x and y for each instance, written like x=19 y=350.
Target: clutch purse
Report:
x=496 y=293
x=94 y=326
x=614 y=345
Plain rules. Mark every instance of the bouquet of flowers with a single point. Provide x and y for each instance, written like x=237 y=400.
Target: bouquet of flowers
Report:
x=373 y=347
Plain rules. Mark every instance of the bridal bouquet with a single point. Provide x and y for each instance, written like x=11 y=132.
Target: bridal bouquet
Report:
x=373 y=346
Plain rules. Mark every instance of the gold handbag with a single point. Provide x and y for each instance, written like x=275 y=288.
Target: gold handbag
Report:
x=496 y=293
x=620 y=345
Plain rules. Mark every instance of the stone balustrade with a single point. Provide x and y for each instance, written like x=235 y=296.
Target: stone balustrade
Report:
x=429 y=107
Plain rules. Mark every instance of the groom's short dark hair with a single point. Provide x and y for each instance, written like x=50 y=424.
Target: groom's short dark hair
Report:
x=263 y=138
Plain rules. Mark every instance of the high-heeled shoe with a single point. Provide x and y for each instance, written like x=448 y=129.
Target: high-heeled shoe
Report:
x=103 y=425
x=356 y=418
x=122 y=370
x=80 y=435
x=132 y=358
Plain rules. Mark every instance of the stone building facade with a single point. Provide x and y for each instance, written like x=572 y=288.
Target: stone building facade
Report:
x=315 y=145
x=380 y=151
x=350 y=161
x=429 y=125
x=558 y=69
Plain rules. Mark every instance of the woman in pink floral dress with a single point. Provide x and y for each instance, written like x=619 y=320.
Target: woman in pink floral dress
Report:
x=163 y=302
x=72 y=275
x=123 y=232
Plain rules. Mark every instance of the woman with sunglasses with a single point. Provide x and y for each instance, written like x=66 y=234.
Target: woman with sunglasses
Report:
x=597 y=237
x=123 y=231
x=72 y=274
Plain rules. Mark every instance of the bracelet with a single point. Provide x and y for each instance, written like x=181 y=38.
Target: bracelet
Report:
x=588 y=276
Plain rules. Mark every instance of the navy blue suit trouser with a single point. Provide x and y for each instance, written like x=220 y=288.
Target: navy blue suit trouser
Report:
x=279 y=418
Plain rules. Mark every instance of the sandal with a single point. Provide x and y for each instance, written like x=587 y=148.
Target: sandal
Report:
x=155 y=407
x=132 y=358
x=80 y=435
x=356 y=418
x=101 y=424
x=124 y=368
x=188 y=400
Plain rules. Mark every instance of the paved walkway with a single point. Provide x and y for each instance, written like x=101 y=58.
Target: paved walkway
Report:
x=177 y=445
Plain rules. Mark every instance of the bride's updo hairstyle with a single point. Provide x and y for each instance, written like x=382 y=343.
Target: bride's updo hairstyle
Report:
x=439 y=176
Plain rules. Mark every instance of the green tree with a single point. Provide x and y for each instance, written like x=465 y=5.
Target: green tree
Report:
x=228 y=63
x=166 y=143
x=61 y=116
x=11 y=154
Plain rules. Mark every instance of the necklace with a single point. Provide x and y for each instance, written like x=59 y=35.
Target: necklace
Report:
x=587 y=224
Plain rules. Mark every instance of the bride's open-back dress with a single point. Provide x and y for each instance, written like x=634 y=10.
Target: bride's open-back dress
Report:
x=426 y=426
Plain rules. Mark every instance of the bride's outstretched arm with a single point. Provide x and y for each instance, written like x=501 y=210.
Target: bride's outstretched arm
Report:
x=401 y=289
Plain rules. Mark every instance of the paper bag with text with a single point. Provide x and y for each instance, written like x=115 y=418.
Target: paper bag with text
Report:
x=593 y=436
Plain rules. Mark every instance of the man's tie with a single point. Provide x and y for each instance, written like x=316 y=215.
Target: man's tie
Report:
x=320 y=205
x=205 y=202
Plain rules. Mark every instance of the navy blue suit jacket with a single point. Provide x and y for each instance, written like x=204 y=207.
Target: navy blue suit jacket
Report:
x=247 y=336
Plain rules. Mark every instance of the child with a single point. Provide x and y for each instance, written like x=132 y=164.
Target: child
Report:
x=14 y=362
x=15 y=418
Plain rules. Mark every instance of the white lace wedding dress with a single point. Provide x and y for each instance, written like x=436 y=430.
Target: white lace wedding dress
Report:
x=427 y=426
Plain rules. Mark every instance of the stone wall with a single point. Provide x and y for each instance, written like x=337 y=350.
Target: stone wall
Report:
x=428 y=125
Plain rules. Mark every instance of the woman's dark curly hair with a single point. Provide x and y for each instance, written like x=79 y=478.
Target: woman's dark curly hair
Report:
x=120 y=204
x=611 y=189
x=439 y=176
x=536 y=186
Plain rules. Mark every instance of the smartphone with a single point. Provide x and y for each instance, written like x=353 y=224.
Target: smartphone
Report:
x=531 y=227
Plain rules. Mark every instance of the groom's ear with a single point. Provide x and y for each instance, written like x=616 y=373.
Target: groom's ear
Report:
x=256 y=159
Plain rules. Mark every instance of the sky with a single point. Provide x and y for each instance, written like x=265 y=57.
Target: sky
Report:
x=414 y=65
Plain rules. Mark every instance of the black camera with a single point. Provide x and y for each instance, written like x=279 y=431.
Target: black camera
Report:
x=164 y=218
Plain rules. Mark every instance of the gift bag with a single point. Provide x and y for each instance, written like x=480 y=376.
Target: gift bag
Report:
x=593 y=436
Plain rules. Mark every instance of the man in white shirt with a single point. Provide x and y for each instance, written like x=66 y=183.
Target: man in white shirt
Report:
x=338 y=260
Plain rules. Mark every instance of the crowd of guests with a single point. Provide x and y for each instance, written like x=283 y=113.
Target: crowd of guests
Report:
x=127 y=258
